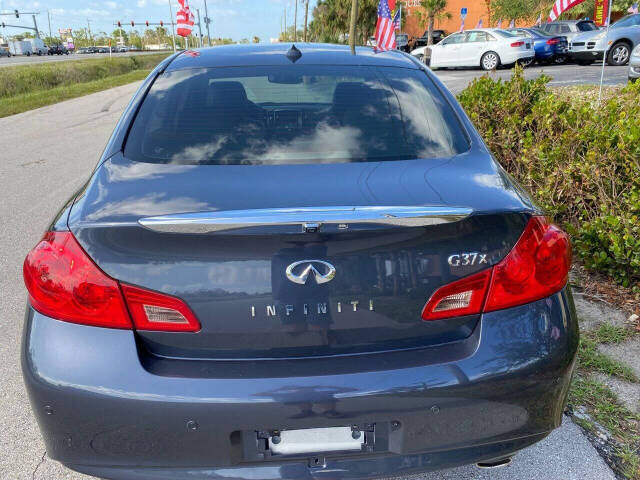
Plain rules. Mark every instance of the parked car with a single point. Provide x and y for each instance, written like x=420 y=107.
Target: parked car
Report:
x=438 y=36
x=122 y=49
x=569 y=28
x=84 y=50
x=618 y=41
x=402 y=42
x=58 y=49
x=225 y=298
x=4 y=50
x=548 y=48
x=101 y=49
x=634 y=64
x=485 y=48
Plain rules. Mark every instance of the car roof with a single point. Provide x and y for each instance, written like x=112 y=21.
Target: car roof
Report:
x=275 y=54
x=568 y=22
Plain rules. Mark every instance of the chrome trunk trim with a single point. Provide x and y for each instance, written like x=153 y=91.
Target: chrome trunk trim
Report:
x=303 y=217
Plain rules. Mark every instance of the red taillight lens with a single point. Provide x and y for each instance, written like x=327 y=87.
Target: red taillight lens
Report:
x=156 y=311
x=64 y=283
x=462 y=297
x=517 y=44
x=553 y=41
x=537 y=267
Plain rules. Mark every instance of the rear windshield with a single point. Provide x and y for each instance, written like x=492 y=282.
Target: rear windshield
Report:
x=293 y=114
x=504 y=33
x=587 y=26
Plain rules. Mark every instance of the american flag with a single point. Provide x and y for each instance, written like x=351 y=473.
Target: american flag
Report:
x=184 y=19
x=385 y=30
x=633 y=8
x=562 y=6
x=396 y=20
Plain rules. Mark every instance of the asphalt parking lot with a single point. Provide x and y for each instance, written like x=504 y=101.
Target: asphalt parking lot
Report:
x=46 y=155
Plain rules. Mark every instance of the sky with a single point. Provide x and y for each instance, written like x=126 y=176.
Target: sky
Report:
x=236 y=19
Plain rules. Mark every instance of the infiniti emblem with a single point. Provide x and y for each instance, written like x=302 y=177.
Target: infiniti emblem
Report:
x=298 y=272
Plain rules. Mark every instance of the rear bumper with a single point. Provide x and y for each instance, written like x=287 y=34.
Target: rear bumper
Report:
x=586 y=55
x=106 y=409
x=510 y=57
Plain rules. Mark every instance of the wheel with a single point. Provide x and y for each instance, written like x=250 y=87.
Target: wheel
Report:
x=28 y=54
x=560 y=59
x=490 y=61
x=619 y=54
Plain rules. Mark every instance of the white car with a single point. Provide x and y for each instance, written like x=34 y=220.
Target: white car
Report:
x=487 y=48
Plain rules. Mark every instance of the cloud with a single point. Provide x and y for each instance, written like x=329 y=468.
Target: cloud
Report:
x=112 y=5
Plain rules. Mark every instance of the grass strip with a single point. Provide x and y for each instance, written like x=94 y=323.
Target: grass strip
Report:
x=23 y=79
x=29 y=101
x=604 y=408
x=591 y=360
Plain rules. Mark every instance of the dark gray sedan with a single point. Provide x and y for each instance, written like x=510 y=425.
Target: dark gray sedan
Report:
x=296 y=263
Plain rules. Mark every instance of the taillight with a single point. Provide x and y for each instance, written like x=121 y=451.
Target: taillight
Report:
x=156 y=311
x=517 y=44
x=535 y=268
x=64 y=283
x=462 y=297
x=553 y=41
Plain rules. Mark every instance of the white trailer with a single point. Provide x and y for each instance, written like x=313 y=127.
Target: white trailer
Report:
x=20 y=47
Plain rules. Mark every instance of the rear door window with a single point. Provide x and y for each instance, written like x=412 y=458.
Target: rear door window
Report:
x=292 y=115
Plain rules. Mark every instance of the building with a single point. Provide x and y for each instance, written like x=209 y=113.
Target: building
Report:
x=476 y=9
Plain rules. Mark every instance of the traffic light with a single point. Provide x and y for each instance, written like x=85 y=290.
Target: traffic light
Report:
x=17 y=13
x=147 y=23
x=119 y=24
x=161 y=23
x=2 y=24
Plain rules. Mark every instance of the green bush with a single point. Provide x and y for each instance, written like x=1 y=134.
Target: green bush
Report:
x=580 y=161
x=33 y=78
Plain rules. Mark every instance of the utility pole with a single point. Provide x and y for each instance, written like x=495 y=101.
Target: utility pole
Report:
x=199 y=26
x=35 y=26
x=306 y=16
x=49 y=19
x=173 y=28
x=285 y=24
x=352 y=26
x=207 y=20
x=295 y=22
x=89 y=31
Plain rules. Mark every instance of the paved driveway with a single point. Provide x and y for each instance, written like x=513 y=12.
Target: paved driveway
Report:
x=45 y=155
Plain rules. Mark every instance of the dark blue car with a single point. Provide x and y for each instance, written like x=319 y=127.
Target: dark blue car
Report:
x=548 y=48
x=295 y=262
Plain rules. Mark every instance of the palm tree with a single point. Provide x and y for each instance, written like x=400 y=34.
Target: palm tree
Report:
x=432 y=10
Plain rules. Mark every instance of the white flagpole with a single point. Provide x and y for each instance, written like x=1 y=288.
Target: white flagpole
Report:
x=604 y=55
x=173 y=28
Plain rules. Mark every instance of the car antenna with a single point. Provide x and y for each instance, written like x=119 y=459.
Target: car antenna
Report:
x=293 y=54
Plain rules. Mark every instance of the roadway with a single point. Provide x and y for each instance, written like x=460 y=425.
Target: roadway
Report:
x=46 y=155
x=33 y=59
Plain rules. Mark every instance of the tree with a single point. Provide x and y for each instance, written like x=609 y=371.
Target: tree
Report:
x=432 y=10
x=256 y=39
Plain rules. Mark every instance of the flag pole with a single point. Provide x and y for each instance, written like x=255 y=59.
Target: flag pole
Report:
x=352 y=26
x=173 y=28
x=604 y=55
